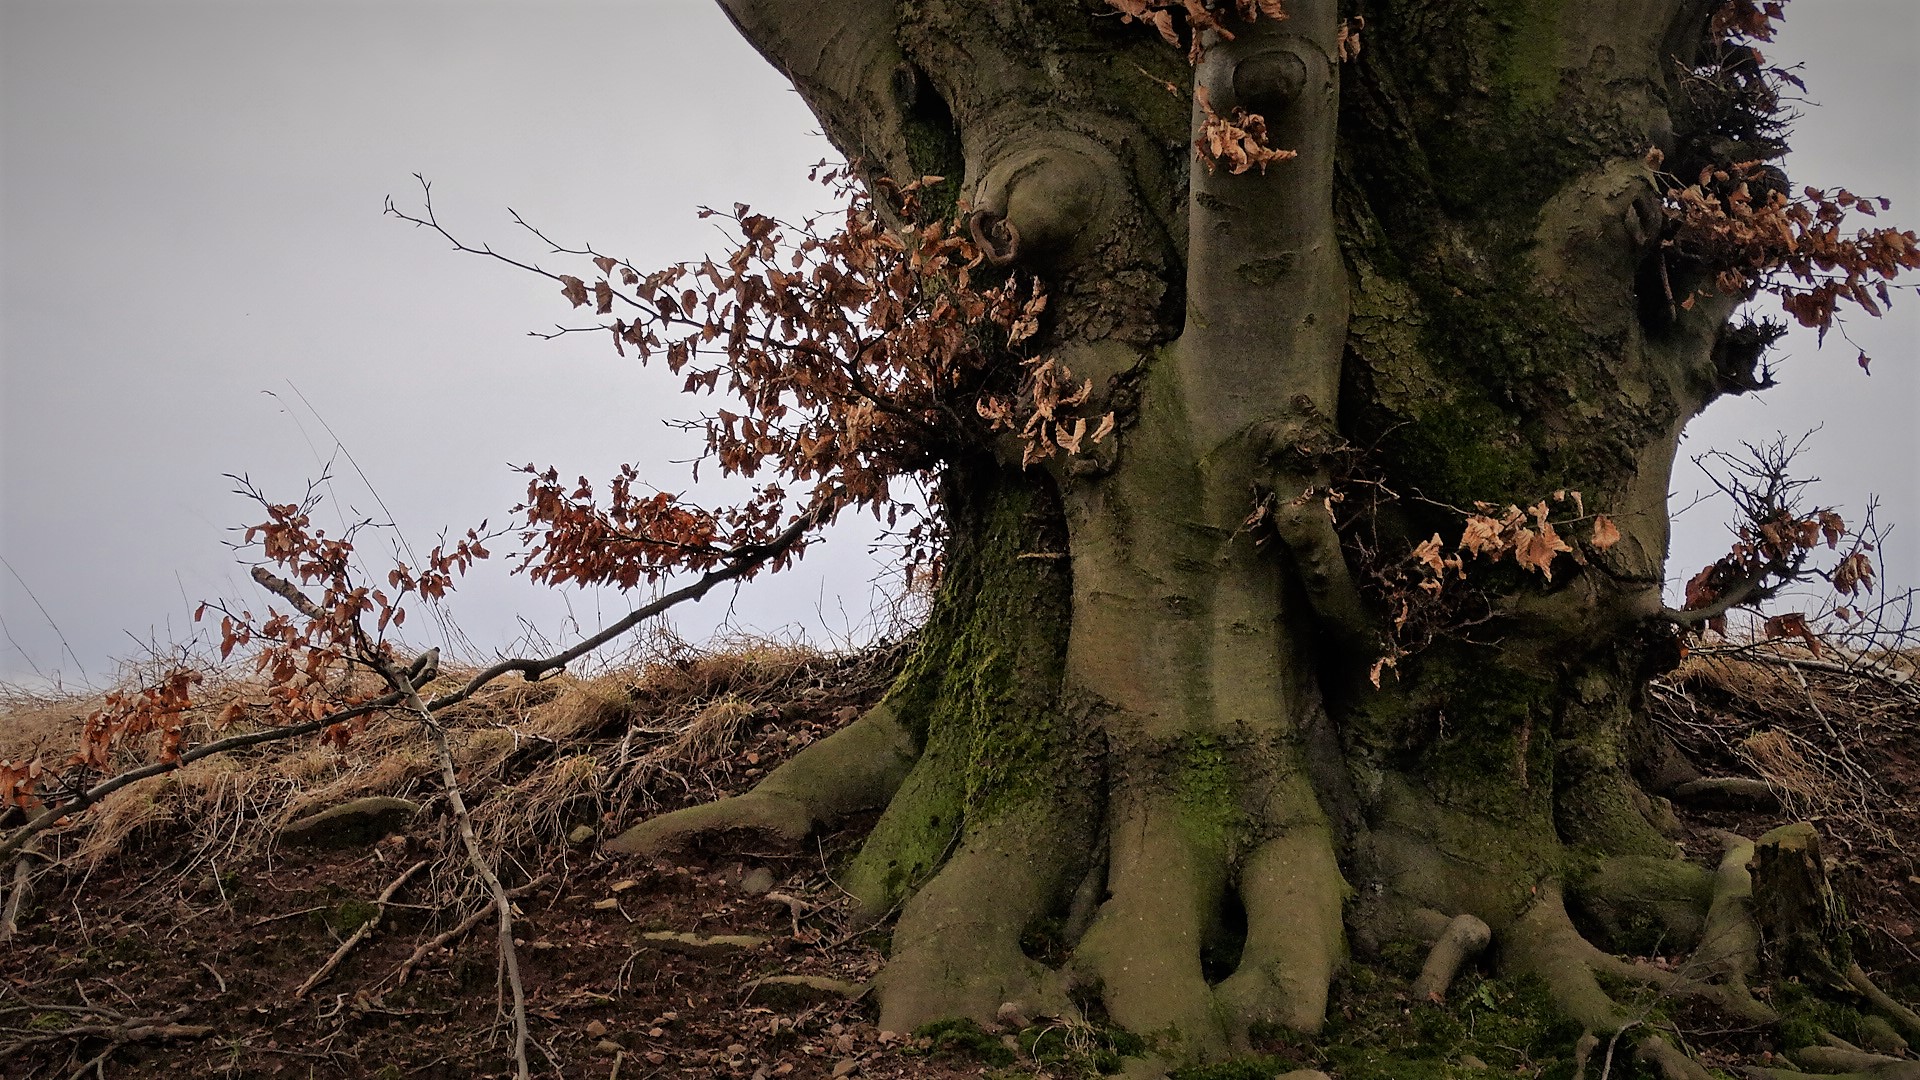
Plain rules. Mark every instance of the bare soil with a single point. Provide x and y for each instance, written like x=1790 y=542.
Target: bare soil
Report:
x=167 y=925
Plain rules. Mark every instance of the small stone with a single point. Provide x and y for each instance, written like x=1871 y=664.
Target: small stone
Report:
x=1010 y=1015
x=757 y=881
x=580 y=834
x=656 y=1033
x=353 y=823
x=705 y=947
x=608 y=1046
x=845 y=1067
x=655 y=1057
x=1468 y=1061
x=595 y=1029
x=622 y=886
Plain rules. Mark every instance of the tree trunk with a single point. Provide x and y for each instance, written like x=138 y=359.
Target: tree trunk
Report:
x=1147 y=726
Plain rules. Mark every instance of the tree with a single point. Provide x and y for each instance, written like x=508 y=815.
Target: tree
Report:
x=1298 y=404
x=1333 y=298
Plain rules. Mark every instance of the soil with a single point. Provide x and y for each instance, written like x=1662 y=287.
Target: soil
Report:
x=221 y=947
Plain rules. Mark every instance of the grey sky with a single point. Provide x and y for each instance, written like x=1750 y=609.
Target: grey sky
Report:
x=190 y=218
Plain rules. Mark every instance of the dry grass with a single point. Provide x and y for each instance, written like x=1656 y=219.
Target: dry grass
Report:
x=535 y=760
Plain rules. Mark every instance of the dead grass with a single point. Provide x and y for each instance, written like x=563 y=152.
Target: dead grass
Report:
x=536 y=761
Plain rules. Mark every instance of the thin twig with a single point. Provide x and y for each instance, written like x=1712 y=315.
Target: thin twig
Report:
x=364 y=931
x=405 y=970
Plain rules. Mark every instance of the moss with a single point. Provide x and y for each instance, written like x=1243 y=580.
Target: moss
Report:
x=933 y=143
x=1251 y=1067
x=1528 y=68
x=350 y=915
x=1203 y=780
x=981 y=693
x=1511 y=1025
x=964 y=1038
x=1805 y=1015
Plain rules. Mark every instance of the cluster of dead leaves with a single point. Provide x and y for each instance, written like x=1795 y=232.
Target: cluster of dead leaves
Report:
x=1746 y=19
x=1238 y=142
x=1199 y=16
x=1772 y=552
x=1050 y=398
x=851 y=359
x=306 y=656
x=1756 y=238
x=1528 y=536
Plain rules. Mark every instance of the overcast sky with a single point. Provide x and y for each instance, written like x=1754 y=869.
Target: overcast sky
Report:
x=192 y=242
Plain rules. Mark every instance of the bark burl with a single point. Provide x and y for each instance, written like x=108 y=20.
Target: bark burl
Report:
x=1147 y=725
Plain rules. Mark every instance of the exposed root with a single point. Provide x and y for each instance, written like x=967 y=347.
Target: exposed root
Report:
x=1464 y=938
x=856 y=768
x=1739 y=791
x=1837 y=1059
x=1667 y=1061
x=1626 y=894
x=956 y=949
x=1544 y=943
x=1144 y=946
x=1292 y=891
x=1902 y=1016
x=1729 y=951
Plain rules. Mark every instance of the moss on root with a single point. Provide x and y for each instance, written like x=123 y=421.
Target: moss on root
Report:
x=981 y=695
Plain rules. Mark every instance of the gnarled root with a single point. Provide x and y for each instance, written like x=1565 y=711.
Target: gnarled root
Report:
x=1463 y=939
x=957 y=949
x=1144 y=946
x=1168 y=879
x=1544 y=943
x=1902 y=1017
x=856 y=768
x=1292 y=891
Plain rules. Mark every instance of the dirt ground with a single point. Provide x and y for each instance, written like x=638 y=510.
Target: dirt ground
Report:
x=176 y=940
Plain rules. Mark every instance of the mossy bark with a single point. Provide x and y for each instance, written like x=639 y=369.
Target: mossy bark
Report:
x=1132 y=719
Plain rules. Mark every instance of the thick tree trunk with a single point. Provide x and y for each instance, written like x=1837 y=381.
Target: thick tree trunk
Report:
x=1132 y=720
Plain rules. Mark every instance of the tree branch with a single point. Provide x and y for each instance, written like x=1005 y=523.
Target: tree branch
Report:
x=531 y=669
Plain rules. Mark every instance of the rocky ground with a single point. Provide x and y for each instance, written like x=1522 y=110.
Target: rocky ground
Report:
x=193 y=926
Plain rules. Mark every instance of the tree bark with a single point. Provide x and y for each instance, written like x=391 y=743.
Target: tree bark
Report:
x=1138 y=721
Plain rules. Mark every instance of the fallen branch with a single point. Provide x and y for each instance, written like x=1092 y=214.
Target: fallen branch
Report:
x=17 y=894
x=117 y=1028
x=53 y=815
x=466 y=925
x=361 y=933
x=502 y=905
